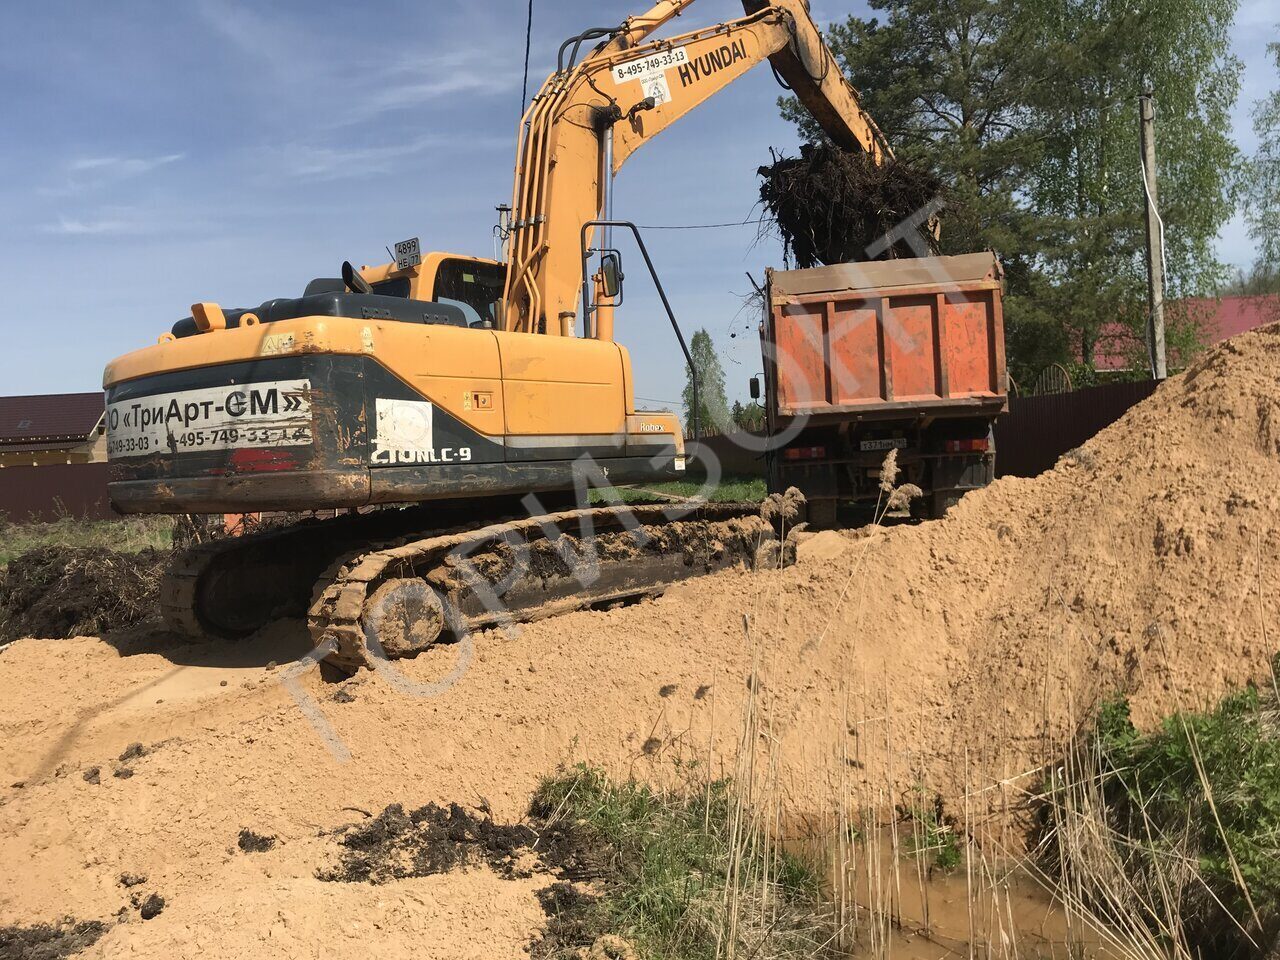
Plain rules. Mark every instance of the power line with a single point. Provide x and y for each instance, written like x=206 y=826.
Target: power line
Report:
x=705 y=226
x=528 y=40
x=670 y=403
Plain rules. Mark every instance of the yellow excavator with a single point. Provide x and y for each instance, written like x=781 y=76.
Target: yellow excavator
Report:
x=453 y=385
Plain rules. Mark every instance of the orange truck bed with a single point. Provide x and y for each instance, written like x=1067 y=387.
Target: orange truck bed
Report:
x=877 y=340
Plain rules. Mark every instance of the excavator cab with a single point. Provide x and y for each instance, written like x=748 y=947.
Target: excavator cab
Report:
x=474 y=286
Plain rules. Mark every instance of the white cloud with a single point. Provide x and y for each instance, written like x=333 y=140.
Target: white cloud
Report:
x=72 y=227
x=419 y=79
x=245 y=29
x=120 y=167
x=332 y=163
x=358 y=88
x=91 y=173
x=311 y=162
x=413 y=93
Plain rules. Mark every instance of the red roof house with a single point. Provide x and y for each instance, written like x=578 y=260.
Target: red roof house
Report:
x=1218 y=318
x=51 y=428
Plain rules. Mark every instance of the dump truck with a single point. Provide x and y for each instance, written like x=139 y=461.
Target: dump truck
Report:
x=864 y=358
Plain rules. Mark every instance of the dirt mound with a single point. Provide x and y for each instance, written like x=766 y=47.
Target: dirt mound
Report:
x=1146 y=564
x=57 y=592
x=832 y=205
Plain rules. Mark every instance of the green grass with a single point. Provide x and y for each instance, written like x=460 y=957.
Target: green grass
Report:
x=728 y=490
x=125 y=535
x=671 y=857
x=1190 y=813
x=931 y=836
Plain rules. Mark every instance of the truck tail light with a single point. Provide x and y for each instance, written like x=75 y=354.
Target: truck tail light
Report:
x=967 y=446
x=804 y=453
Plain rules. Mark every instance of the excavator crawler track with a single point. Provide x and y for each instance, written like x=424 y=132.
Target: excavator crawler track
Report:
x=231 y=588
x=399 y=600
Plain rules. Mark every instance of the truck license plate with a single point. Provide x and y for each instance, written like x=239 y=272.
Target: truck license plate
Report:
x=892 y=443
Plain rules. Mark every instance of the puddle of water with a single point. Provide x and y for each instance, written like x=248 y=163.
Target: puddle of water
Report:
x=898 y=905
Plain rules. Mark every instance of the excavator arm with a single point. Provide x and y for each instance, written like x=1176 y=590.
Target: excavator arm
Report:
x=591 y=116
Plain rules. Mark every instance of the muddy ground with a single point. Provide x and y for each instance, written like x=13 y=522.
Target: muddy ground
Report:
x=60 y=592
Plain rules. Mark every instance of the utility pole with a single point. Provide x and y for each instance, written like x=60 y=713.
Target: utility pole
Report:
x=1155 y=239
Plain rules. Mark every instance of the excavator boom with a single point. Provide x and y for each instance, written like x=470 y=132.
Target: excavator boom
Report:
x=591 y=116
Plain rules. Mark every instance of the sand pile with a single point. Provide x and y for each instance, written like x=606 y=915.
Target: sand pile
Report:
x=949 y=655
x=1146 y=564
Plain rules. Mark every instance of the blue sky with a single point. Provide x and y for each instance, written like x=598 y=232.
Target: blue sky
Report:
x=161 y=153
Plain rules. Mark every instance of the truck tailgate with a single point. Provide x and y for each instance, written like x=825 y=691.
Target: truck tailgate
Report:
x=879 y=338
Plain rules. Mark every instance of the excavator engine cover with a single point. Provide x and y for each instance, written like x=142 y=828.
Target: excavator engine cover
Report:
x=315 y=431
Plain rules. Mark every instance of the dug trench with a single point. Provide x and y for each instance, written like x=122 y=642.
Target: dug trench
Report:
x=951 y=657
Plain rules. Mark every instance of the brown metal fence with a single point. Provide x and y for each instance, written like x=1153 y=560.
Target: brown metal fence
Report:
x=1029 y=440
x=737 y=453
x=46 y=493
x=1038 y=430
